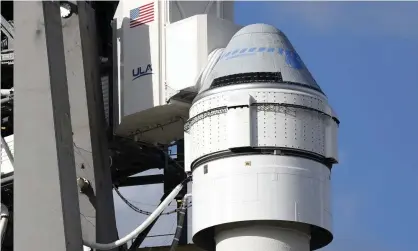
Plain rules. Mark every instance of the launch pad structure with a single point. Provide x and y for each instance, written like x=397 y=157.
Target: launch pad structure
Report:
x=95 y=93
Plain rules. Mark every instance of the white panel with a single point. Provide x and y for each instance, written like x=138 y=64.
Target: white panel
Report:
x=270 y=125
x=331 y=145
x=188 y=144
x=294 y=128
x=179 y=10
x=239 y=127
x=238 y=99
x=220 y=32
x=278 y=187
x=189 y=43
x=264 y=96
x=261 y=237
x=139 y=70
x=185 y=40
x=141 y=104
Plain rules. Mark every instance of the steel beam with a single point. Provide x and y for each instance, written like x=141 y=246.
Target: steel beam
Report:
x=180 y=160
x=89 y=127
x=46 y=215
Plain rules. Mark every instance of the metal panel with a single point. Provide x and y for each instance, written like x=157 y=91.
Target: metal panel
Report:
x=89 y=125
x=260 y=187
x=45 y=192
x=279 y=118
x=179 y=10
x=238 y=127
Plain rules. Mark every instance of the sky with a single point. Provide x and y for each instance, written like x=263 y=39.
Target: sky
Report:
x=364 y=56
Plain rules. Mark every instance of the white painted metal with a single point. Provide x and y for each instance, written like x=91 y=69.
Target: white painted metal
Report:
x=259 y=237
x=256 y=127
x=163 y=58
x=260 y=188
x=44 y=179
x=261 y=149
x=188 y=53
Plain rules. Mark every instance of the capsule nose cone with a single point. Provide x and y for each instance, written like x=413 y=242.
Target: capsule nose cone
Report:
x=258 y=28
x=263 y=48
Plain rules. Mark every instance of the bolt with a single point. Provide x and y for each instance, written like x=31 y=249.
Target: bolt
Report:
x=83 y=184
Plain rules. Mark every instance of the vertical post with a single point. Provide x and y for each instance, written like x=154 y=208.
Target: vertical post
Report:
x=45 y=193
x=180 y=161
x=89 y=127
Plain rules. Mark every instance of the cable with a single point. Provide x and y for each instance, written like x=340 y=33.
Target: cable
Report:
x=143 y=226
x=136 y=209
x=141 y=237
x=180 y=223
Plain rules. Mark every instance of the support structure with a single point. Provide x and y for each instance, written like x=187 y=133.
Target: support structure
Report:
x=180 y=160
x=89 y=127
x=46 y=215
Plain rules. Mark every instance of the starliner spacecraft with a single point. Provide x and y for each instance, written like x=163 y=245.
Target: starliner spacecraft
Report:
x=261 y=141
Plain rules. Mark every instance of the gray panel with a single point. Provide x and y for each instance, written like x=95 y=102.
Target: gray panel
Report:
x=46 y=209
x=88 y=123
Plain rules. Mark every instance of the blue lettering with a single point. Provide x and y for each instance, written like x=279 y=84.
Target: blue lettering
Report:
x=292 y=59
x=141 y=71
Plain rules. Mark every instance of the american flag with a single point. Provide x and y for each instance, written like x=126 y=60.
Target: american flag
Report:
x=142 y=15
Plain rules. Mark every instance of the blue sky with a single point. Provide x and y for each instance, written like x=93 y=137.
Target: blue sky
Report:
x=365 y=57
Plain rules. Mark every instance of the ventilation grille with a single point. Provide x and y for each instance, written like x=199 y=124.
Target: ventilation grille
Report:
x=256 y=77
x=244 y=78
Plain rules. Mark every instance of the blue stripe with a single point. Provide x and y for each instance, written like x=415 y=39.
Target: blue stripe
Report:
x=292 y=59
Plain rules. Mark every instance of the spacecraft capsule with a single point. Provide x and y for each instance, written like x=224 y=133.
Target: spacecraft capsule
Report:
x=261 y=141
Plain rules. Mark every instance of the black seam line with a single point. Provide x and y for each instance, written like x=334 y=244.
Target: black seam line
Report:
x=190 y=122
x=216 y=85
x=299 y=107
x=245 y=151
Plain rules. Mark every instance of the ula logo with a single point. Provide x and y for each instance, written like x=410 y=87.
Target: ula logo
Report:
x=141 y=71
